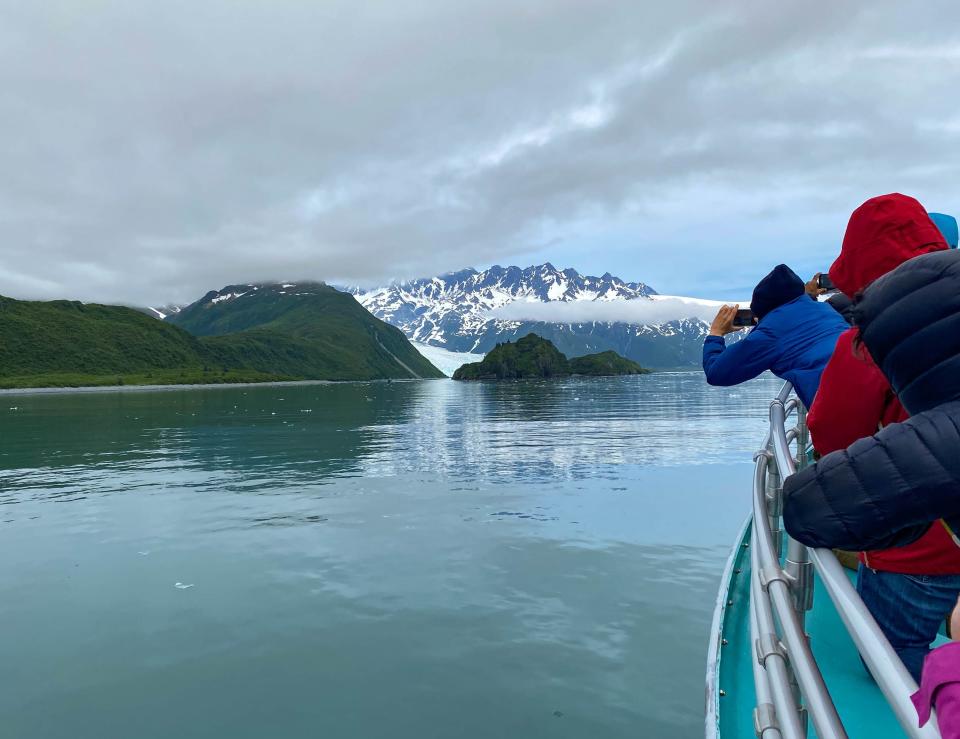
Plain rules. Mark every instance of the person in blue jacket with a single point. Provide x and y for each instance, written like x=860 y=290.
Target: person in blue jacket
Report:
x=948 y=227
x=794 y=337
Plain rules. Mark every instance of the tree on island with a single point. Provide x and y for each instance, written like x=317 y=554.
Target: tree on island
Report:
x=536 y=357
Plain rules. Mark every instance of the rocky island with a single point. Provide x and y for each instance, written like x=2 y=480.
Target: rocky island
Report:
x=534 y=357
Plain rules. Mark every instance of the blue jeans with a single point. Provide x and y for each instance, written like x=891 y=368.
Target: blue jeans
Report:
x=910 y=609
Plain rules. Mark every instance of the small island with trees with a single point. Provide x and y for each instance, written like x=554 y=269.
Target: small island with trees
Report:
x=534 y=357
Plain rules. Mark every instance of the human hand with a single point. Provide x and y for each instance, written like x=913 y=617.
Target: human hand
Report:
x=955 y=622
x=723 y=323
x=813 y=287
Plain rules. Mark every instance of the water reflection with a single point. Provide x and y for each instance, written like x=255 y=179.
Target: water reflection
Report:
x=425 y=559
x=278 y=440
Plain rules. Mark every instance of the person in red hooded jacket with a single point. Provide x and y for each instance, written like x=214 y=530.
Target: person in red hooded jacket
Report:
x=911 y=589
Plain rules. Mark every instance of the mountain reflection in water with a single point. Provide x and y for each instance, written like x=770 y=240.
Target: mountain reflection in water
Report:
x=413 y=559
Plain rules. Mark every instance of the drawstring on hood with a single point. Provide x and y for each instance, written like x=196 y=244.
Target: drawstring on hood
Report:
x=778 y=288
x=882 y=234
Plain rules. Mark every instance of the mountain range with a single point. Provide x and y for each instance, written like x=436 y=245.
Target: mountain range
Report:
x=457 y=312
x=310 y=330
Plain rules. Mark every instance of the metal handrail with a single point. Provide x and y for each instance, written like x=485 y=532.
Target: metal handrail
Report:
x=765 y=724
x=789 y=590
x=770 y=653
x=775 y=585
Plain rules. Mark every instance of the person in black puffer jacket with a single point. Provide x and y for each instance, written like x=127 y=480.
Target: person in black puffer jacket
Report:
x=888 y=489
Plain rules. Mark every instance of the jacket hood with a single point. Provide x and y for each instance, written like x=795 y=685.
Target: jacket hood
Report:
x=910 y=322
x=947 y=225
x=779 y=287
x=882 y=234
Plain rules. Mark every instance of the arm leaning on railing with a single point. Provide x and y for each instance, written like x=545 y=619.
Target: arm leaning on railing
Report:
x=855 y=499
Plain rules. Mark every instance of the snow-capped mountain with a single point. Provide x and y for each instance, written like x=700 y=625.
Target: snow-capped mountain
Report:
x=459 y=312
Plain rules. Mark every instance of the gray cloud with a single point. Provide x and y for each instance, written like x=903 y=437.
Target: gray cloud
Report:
x=154 y=151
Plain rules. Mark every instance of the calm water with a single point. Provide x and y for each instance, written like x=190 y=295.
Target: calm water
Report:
x=416 y=560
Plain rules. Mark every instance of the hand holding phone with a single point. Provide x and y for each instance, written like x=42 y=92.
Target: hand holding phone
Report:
x=825 y=283
x=731 y=318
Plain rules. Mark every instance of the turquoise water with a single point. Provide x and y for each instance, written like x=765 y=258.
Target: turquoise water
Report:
x=419 y=559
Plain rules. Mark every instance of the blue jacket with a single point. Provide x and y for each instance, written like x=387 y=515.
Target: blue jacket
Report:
x=948 y=227
x=794 y=341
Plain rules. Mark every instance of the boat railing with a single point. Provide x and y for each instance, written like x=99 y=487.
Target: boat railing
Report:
x=790 y=689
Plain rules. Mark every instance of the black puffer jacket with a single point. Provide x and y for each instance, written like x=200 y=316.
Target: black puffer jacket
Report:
x=842 y=305
x=887 y=489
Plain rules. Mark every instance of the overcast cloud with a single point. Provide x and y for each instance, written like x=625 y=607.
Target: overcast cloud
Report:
x=153 y=151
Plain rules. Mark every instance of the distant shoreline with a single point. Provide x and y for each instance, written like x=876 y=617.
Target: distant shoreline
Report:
x=191 y=386
x=232 y=385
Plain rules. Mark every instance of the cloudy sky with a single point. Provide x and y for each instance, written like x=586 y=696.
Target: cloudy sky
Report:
x=153 y=151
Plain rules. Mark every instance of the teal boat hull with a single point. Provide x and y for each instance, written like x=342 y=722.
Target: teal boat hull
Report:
x=730 y=693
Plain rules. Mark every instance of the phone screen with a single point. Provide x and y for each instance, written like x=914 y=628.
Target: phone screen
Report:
x=744 y=317
x=824 y=282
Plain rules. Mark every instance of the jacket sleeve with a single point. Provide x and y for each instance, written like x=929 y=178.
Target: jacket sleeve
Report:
x=730 y=365
x=851 y=400
x=881 y=492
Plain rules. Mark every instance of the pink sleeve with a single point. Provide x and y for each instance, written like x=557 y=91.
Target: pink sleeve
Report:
x=940 y=689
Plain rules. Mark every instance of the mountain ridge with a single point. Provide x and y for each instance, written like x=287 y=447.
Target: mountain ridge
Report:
x=304 y=325
x=453 y=311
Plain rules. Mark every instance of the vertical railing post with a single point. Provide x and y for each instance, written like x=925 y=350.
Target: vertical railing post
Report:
x=803 y=436
x=799 y=571
x=774 y=498
x=798 y=566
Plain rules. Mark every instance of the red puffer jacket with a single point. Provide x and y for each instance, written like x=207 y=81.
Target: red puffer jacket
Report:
x=854 y=399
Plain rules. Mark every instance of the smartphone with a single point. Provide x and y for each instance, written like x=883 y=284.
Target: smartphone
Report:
x=824 y=282
x=744 y=317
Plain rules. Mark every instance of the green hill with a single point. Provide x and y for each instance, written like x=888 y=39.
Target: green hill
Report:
x=535 y=357
x=66 y=343
x=309 y=330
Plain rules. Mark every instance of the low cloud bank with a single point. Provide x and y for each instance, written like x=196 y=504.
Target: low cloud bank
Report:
x=660 y=309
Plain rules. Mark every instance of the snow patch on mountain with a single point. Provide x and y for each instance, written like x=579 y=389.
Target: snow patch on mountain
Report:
x=227 y=296
x=162 y=311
